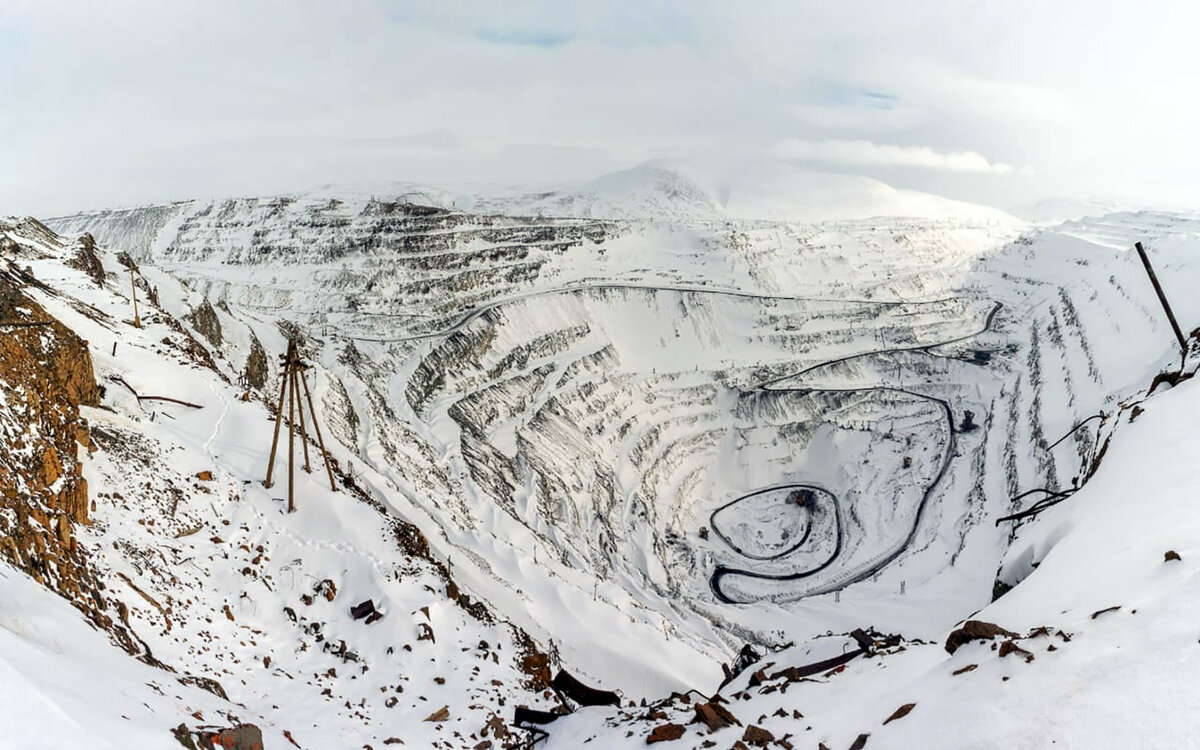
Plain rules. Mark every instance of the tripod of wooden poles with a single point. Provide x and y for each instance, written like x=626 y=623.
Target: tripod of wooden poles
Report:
x=293 y=381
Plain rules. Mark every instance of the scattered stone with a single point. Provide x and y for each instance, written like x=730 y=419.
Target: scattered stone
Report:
x=362 y=609
x=715 y=716
x=1106 y=610
x=665 y=733
x=965 y=669
x=901 y=712
x=1171 y=555
x=860 y=742
x=975 y=630
x=757 y=736
x=441 y=714
x=1011 y=647
x=326 y=588
x=205 y=476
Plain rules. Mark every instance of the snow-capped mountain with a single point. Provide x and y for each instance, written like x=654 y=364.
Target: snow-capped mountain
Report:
x=647 y=420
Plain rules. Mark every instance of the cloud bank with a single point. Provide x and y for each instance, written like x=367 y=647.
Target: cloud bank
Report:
x=131 y=101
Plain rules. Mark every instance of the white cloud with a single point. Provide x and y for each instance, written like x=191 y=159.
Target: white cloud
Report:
x=133 y=101
x=868 y=153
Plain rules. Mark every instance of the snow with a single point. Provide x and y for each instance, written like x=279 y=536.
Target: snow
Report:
x=222 y=560
x=636 y=384
x=1125 y=678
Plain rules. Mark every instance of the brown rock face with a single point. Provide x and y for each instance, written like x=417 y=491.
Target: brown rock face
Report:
x=86 y=259
x=204 y=319
x=45 y=376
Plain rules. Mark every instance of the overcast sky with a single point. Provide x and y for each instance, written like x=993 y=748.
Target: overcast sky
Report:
x=1002 y=102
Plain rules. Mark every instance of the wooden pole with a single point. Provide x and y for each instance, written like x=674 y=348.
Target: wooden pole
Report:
x=317 y=429
x=137 y=321
x=1162 y=298
x=300 y=413
x=291 y=437
x=278 y=417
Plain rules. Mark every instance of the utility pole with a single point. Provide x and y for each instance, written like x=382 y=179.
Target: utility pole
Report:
x=1162 y=298
x=292 y=381
x=137 y=322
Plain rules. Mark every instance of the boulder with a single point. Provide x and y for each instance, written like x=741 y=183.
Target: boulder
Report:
x=665 y=733
x=975 y=630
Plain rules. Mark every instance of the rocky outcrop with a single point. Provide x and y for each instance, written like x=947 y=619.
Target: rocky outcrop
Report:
x=204 y=319
x=86 y=259
x=45 y=376
x=256 y=369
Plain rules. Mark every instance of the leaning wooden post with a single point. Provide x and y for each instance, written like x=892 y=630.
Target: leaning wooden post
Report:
x=1162 y=298
x=278 y=415
x=317 y=428
x=300 y=413
x=137 y=321
x=291 y=437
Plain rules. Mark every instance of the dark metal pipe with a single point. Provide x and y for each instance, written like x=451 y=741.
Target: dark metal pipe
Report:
x=1162 y=298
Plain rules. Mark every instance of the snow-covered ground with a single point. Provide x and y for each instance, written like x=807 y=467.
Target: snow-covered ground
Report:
x=222 y=584
x=597 y=423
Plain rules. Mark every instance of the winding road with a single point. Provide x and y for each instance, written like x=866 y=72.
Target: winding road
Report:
x=723 y=571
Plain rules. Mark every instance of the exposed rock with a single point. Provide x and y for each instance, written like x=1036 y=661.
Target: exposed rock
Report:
x=205 y=683
x=441 y=714
x=204 y=476
x=859 y=742
x=255 y=371
x=975 y=630
x=204 y=319
x=86 y=259
x=241 y=737
x=1171 y=555
x=534 y=662
x=715 y=716
x=665 y=733
x=45 y=376
x=757 y=736
x=326 y=588
x=901 y=712
x=183 y=736
x=1011 y=647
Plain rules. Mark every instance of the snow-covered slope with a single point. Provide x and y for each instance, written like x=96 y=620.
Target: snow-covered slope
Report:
x=649 y=441
x=1102 y=621
x=244 y=607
